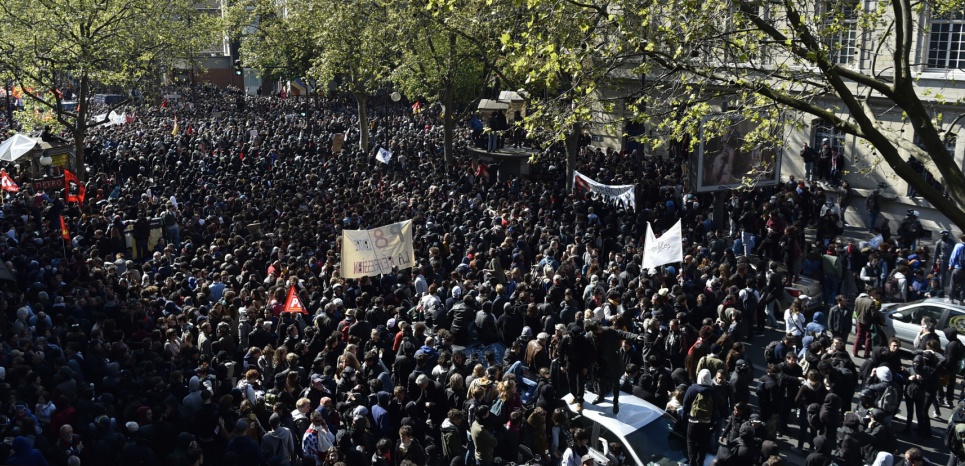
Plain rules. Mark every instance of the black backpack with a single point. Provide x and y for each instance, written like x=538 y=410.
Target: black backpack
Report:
x=750 y=300
x=770 y=353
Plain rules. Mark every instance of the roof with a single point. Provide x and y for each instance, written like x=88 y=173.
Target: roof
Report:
x=634 y=413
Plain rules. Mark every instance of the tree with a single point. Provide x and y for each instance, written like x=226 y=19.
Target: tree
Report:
x=352 y=50
x=446 y=53
x=850 y=63
x=561 y=52
x=273 y=36
x=50 y=46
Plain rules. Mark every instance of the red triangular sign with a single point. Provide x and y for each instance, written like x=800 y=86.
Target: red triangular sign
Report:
x=293 y=304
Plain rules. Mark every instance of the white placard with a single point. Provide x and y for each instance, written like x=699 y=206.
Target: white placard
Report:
x=372 y=252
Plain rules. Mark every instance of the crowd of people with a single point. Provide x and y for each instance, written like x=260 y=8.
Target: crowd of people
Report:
x=155 y=334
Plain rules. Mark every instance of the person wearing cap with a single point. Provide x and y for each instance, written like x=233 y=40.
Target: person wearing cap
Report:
x=910 y=230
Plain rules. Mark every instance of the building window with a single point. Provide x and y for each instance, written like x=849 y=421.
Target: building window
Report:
x=824 y=130
x=841 y=24
x=946 y=41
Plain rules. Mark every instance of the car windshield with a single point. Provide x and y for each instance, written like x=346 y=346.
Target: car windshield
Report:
x=658 y=444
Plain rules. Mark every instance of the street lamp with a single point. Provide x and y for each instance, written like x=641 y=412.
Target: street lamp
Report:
x=396 y=96
x=46 y=161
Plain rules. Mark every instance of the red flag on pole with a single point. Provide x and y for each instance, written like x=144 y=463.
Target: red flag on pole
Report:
x=75 y=189
x=7 y=183
x=293 y=304
x=64 y=232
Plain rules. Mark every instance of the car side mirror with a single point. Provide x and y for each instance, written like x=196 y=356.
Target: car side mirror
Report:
x=898 y=316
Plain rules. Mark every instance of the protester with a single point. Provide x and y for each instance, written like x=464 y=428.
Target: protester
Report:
x=162 y=326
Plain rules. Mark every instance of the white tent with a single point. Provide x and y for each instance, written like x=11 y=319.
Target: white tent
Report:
x=15 y=147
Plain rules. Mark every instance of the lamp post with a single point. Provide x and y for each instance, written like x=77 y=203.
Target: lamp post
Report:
x=45 y=162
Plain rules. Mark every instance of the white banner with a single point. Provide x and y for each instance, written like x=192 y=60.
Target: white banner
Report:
x=384 y=155
x=372 y=252
x=619 y=194
x=664 y=250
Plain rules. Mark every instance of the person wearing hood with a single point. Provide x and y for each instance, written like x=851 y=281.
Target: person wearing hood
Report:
x=954 y=354
x=919 y=391
x=181 y=455
x=821 y=456
x=278 y=445
x=882 y=437
x=702 y=418
x=382 y=420
x=830 y=416
x=851 y=440
x=453 y=435
x=25 y=454
x=811 y=391
x=886 y=392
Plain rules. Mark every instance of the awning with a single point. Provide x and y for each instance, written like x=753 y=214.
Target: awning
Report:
x=15 y=147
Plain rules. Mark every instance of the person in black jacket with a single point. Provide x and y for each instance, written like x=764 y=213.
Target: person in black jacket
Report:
x=460 y=316
x=954 y=354
x=922 y=380
x=575 y=353
x=510 y=325
x=953 y=437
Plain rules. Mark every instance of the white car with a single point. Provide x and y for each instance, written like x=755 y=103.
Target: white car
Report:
x=903 y=320
x=645 y=431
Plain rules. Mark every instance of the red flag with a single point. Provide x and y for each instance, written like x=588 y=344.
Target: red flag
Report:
x=7 y=183
x=293 y=304
x=416 y=107
x=64 y=232
x=75 y=189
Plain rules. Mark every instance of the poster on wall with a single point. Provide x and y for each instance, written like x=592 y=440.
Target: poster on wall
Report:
x=726 y=161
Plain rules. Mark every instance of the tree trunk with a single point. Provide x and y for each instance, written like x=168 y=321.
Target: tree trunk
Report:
x=572 y=150
x=80 y=127
x=363 y=121
x=448 y=126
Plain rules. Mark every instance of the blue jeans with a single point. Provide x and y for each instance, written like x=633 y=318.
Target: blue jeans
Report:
x=174 y=236
x=830 y=288
x=748 y=240
x=874 y=220
x=808 y=170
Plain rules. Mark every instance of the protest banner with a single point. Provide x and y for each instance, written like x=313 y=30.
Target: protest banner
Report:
x=667 y=249
x=372 y=252
x=618 y=194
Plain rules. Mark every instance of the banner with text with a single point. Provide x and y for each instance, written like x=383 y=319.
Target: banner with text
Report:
x=666 y=249
x=372 y=252
x=619 y=194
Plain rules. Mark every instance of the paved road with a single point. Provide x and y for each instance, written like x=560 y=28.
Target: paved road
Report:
x=933 y=446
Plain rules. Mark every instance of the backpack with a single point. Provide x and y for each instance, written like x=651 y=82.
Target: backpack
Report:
x=702 y=409
x=891 y=286
x=889 y=400
x=955 y=438
x=749 y=300
x=770 y=353
x=847 y=375
x=168 y=219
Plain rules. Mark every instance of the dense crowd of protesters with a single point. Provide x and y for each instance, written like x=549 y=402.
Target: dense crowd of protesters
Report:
x=173 y=349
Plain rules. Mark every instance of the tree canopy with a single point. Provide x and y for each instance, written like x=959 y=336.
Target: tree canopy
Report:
x=88 y=46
